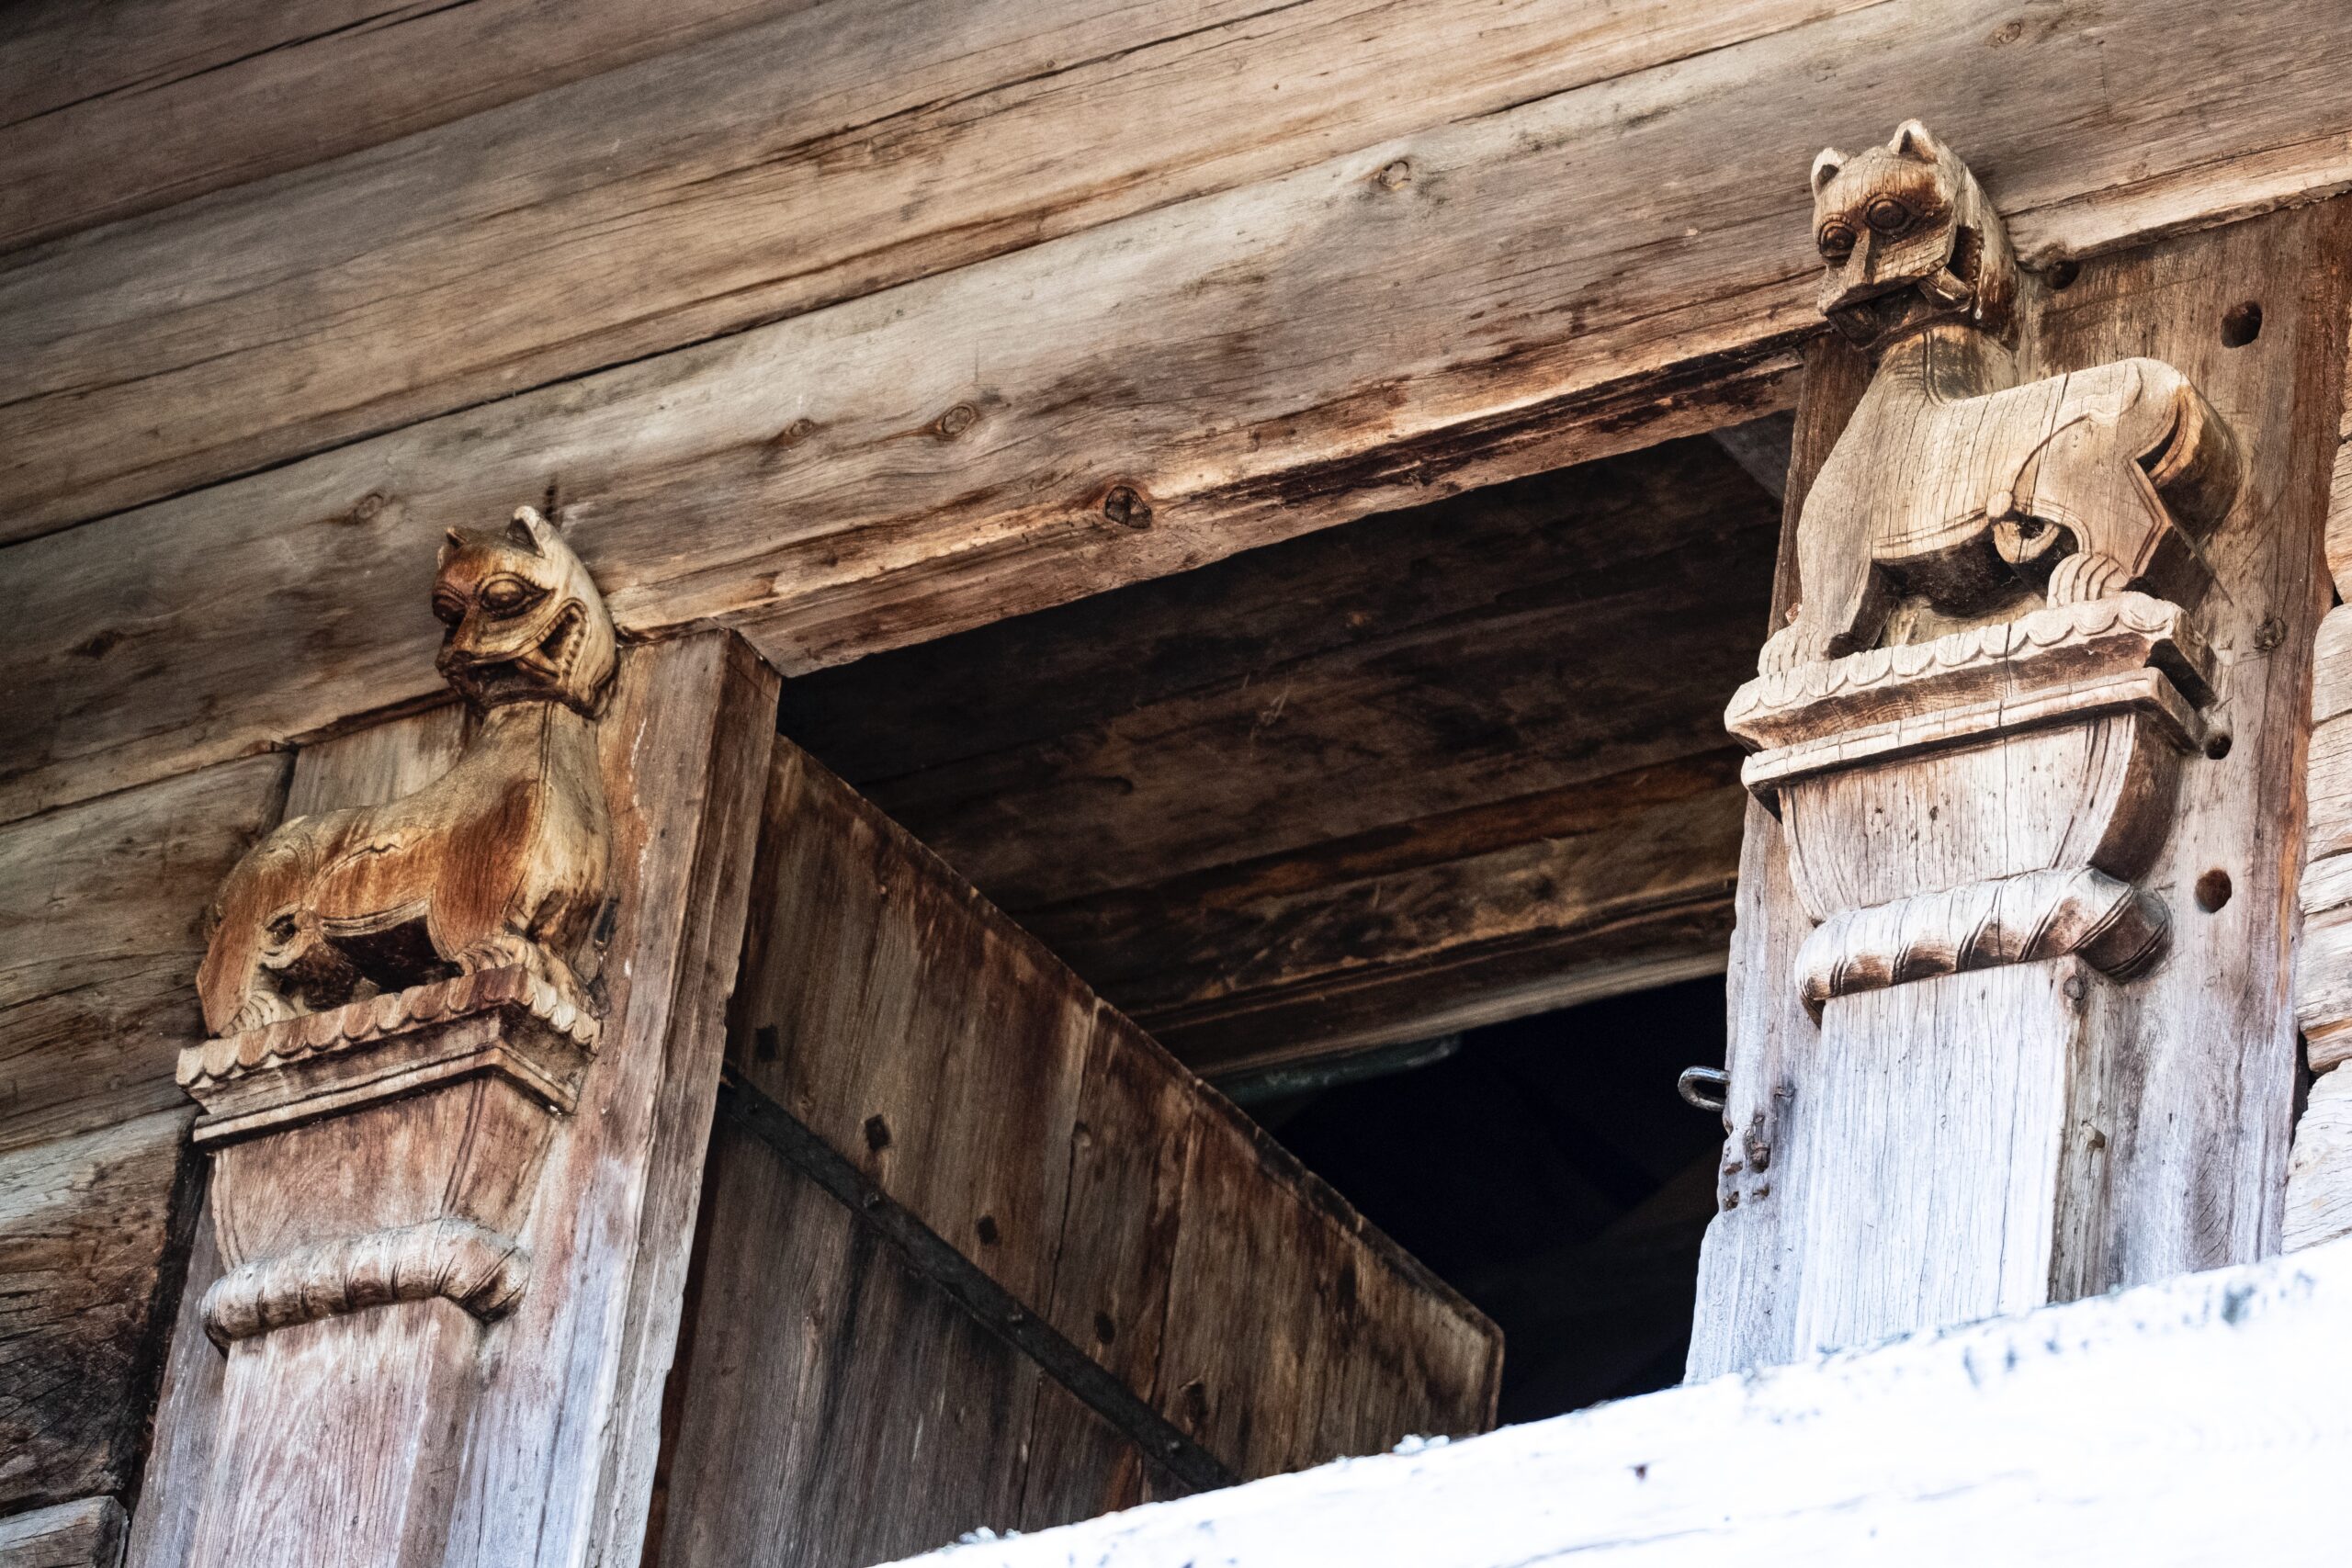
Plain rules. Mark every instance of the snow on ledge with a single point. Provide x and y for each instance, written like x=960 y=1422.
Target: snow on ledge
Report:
x=2203 y=1421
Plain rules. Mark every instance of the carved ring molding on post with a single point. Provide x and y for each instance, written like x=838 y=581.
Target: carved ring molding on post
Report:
x=2033 y=763
x=405 y=1001
x=1972 y=730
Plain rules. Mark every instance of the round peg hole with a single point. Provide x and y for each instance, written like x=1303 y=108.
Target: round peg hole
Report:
x=2217 y=745
x=2212 y=890
x=2062 y=275
x=2241 y=324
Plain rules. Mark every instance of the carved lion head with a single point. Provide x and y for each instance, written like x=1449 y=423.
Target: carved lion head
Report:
x=526 y=623
x=1908 y=238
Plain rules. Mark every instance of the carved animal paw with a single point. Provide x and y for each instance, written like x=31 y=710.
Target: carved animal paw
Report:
x=1784 y=650
x=260 y=1008
x=2086 y=575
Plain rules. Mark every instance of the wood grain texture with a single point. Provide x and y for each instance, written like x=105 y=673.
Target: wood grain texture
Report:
x=92 y=1229
x=2196 y=1150
x=569 y=1413
x=142 y=104
x=982 y=1088
x=1351 y=785
x=935 y=138
x=881 y=1373
x=2319 y=1172
x=1407 y=931
x=1249 y=302
x=930 y=135
x=363 y=767
x=86 y=1533
x=101 y=917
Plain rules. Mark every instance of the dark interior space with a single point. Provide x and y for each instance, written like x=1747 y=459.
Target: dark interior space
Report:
x=1549 y=1170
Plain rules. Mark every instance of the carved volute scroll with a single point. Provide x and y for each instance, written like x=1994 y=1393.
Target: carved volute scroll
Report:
x=1973 y=724
x=417 y=961
x=404 y=1001
x=1974 y=727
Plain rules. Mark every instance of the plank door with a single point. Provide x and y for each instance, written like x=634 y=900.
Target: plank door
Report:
x=975 y=1252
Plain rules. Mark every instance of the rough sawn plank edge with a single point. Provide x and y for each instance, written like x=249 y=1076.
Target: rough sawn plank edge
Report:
x=2189 y=1422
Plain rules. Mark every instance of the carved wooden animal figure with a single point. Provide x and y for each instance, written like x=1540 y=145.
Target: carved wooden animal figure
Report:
x=1956 y=495
x=501 y=861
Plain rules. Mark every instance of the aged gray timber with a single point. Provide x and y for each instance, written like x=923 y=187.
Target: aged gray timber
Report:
x=92 y=1229
x=2188 y=1146
x=875 y=472
x=85 y=1533
x=672 y=200
x=1058 y=1184
x=101 y=916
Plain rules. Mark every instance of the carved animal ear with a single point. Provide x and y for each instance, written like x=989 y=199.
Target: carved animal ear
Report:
x=1825 y=167
x=451 y=543
x=530 y=530
x=1915 y=142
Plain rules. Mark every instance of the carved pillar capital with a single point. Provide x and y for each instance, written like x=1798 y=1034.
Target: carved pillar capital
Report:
x=383 y=1151
x=406 y=1003
x=1983 y=798
x=1975 y=727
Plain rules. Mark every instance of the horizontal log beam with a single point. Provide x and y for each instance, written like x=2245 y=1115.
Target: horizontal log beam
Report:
x=120 y=110
x=1574 y=275
x=1444 y=766
x=831 y=151
x=1486 y=915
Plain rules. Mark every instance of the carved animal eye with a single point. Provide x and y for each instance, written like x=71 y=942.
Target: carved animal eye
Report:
x=1888 y=216
x=1836 y=241
x=507 y=595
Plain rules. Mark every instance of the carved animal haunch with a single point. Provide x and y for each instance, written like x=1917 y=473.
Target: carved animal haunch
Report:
x=501 y=861
x=1955 y=495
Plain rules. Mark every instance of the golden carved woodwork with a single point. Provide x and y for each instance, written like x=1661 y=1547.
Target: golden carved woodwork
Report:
x=501 y=862
x=397 y=990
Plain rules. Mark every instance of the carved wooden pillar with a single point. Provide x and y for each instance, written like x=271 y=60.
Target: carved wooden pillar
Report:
x=467 y=1046
x=2009 y=1019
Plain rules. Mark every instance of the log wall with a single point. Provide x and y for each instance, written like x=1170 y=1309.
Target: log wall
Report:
x=852 y=323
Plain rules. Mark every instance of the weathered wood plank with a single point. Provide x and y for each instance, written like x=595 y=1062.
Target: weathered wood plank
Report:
x=366 y=767
x=929 y=134
x=2187 y=1423
x=1430 y=926
x=101 y=917
x=1529 y=656
x=1262 y=408
x=980 y=1087
x=286 y=343
x=1345 y=786
x=132 y=106
x=777 y=1454
x=86 y=1533
x=2319 y=1172
x=2194 y=1133
x=91 y=1229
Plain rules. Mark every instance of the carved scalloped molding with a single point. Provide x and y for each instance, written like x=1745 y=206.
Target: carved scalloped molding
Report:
x=358 y=1025
x=2057 y=645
